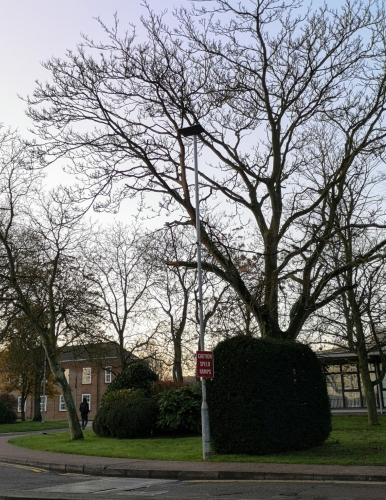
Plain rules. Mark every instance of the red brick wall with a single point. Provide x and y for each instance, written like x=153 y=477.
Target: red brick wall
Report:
x=95 y=389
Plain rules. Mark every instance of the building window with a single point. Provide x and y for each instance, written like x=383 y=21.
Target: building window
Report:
x=88 y=399
x=345 y=387
x=108 y=374
x=43 y=403
x=62 y=406
x=19 y=404
x=86 y=376
x=67 y=375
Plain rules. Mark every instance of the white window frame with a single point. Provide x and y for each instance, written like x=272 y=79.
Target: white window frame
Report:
x=43 y=403
x=19 y=405
x=86 y=375
x=88 y=398
x=62 y=406
x=108 y=374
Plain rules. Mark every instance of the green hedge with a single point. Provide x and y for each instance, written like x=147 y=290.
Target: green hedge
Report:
x=121 y=395
x=136 y=376
x=126 y=419
x=7 y=415
x=266 y=396
x=10 y=400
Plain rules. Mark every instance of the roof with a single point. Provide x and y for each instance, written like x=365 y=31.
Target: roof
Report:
x=337 y=354
x=83 y=352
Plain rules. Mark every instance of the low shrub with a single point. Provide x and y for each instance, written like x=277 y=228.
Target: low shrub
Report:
x=127 y=419
x=122 y=395
x=165 y=385
x=7 y=415
x=180 y=410
x=10 y=400
x=136 y=376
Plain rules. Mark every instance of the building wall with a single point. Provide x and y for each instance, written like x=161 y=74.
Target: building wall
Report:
x=85 y=379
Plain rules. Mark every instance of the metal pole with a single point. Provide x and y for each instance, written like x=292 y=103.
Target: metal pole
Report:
x=44 y=389
x=204 y=405
x=76 y=390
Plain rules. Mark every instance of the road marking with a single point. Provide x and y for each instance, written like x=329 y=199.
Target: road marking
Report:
x=25 y=467
x=72 y=474
x=106 y=485
x=284 y=481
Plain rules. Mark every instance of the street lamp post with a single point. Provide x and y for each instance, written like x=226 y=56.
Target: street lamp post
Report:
x=43 y=412
x=194 y=130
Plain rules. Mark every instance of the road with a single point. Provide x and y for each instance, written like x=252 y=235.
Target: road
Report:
x=29 y=482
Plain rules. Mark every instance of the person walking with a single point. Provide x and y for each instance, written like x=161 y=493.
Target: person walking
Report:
x=84 y=411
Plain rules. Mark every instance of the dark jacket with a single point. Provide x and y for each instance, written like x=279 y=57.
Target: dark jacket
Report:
x=83 y=408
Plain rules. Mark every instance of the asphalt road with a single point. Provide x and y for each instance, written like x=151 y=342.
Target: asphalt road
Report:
x=28 y=482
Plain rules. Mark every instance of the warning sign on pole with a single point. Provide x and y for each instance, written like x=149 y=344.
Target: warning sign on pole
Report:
x=204 y=364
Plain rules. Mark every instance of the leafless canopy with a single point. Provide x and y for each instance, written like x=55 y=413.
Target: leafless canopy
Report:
x=292 y=101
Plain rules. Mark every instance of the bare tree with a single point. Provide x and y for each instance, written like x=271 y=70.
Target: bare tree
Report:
x=278 y=88
x=116 y=269
x=172 y=292
x=22 y=359
x=356 y=318
x=355 y=321
x=361 y=304
x=39 y=273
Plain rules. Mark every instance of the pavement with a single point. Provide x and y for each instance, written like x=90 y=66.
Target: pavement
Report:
x=165 y=469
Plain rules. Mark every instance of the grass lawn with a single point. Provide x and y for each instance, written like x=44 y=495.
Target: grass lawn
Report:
x=352 y=442
x=29 y=426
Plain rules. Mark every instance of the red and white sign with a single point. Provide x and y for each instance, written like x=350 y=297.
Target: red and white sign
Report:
x=204 y=364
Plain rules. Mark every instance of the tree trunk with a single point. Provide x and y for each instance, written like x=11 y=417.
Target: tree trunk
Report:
x=363 y=361
x=372 y=413
x=177 y=362
x=61 y=381
x=22 y=407
x=37 y=390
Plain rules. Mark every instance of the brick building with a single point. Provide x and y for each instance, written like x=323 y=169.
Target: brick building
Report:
x=89 y=370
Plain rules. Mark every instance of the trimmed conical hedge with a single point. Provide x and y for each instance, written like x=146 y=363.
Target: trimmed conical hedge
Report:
x=266 y=396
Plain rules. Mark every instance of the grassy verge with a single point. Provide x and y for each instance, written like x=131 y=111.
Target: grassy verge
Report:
x=30 y=426
x=352 y=442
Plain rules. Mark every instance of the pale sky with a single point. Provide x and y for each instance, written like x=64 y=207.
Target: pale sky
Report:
x=32 y=32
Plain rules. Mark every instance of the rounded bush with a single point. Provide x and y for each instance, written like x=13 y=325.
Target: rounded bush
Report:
x=7 y=415
x=180 y=410
x=99 y=425
x=127 y=419
x=136 y=376
x=10 y=400
x=267 y=396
